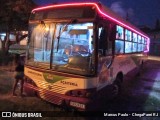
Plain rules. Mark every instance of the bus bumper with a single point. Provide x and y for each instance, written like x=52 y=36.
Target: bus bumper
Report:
x=78 y=103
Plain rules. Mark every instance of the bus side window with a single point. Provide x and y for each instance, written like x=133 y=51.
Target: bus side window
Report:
x=119 y=45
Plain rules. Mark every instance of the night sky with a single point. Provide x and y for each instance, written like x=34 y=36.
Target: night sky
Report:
x=140 y=12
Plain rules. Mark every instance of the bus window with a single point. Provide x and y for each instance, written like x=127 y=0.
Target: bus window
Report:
x=134 y=47
x=134 y=37
x=119 y=47
x=143 y=40
x=127 y=35
x=119 y=33
x=41 y=38
x=72 y=44
x=128 y=47
x=71 y=40
x=140 y=47
x=139 y=39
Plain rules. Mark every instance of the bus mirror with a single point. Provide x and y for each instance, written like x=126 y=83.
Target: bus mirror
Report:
x=74 y=21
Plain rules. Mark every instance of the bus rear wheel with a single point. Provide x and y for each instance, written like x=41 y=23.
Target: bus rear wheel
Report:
x=117 y=85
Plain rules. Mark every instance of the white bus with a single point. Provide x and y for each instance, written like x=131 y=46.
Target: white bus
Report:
x=77 y=50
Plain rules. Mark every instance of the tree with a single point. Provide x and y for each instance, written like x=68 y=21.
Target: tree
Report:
x=157 y=24
x=14 y=17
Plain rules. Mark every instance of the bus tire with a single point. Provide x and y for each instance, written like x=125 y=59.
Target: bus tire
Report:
x=117 y=86
x=139 y=69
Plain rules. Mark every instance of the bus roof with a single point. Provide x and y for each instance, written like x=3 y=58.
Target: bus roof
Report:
x=104 y=11
x=113 y=16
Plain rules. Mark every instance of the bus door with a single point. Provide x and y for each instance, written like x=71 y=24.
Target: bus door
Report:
x=105 y=56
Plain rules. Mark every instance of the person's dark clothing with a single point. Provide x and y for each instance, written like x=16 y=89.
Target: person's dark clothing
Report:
x=20 y=68
x=19 y=76
x=19 y=72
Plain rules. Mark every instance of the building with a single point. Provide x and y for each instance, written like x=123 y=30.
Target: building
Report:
x=154 y=35
x=154 y=42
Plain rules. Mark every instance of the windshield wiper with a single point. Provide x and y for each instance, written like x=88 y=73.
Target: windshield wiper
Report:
x=61 y=31
x=58 y=38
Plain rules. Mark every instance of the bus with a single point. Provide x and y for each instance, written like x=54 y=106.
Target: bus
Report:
x=76 y=51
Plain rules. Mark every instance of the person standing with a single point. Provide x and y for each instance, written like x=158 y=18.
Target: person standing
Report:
x=19 y=77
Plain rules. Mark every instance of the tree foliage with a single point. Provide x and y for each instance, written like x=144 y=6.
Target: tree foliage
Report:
x=14 y=15
x=157 y=26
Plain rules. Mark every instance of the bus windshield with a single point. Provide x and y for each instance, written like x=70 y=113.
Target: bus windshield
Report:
x=62 y=47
